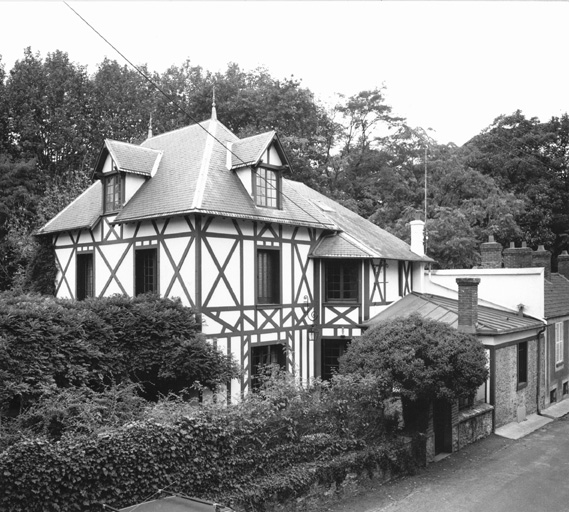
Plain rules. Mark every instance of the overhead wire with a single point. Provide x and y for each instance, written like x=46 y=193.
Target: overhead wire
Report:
x=182 y=109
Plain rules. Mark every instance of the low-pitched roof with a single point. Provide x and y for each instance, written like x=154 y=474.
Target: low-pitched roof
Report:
x=556 y=296
x=443 y=309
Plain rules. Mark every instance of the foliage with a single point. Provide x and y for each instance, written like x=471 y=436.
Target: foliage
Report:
x=48 y=344
x=74 y=413
x=509 y=181
x=266 y=447
x=422 y=359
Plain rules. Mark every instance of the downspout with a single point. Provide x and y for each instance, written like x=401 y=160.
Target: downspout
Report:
x=538 y=389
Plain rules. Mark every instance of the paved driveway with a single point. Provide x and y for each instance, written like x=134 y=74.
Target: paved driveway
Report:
x=494 y=475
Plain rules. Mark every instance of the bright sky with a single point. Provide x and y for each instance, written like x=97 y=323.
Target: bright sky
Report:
x=449 y=66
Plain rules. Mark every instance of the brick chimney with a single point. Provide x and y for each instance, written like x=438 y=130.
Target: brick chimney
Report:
x=517 y=257
x=542 y=258
x=491 y=253
x=563 y=264
x=467 y=304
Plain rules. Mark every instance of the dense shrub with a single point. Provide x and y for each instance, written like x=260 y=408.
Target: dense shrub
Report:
x=422 y=359
x=276 y=443
x=78 y=412
x=48 y=344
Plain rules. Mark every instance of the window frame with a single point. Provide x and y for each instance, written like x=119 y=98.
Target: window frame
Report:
x=138 y=252
x=275 y=353
x=87 y=277
x=331 y=348
x=342 y=264
x=559 y=343
x=117 y=180
x=263 y=187
x=522 y=364
x=268 y=276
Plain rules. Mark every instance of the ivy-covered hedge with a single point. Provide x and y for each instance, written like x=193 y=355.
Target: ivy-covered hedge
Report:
x=47 y=344
x=275 y=444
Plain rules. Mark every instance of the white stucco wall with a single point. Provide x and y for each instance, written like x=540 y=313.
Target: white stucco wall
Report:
x=503 y=287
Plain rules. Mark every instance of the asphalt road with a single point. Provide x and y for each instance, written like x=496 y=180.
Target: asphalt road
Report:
x=494 y=475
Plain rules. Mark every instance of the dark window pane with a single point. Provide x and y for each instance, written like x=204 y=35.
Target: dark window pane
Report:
x=342 y=280
x=85 y=276
x=331 y=352
x=113 y=193
x=268 y=277
x=262 y=357
x=522 y=362
x=146 y=271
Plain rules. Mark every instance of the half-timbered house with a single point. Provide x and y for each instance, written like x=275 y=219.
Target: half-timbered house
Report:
x=278 y=272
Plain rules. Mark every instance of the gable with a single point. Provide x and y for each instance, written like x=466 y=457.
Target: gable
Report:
x=128 y=158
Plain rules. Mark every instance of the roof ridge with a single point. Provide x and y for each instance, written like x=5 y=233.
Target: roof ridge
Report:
x=205 y=165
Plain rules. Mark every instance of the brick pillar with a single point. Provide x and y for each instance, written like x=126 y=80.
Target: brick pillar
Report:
x=542 y=258
x=517 y=257
x=563 y=264
x=467 y=304
x=491 y=253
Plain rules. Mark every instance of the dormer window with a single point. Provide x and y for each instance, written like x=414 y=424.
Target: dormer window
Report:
x=114 y=193
x=267 y=187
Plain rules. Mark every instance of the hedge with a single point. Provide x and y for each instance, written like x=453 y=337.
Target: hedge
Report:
x=197 y=457
x=47 y=344
x=274 y=445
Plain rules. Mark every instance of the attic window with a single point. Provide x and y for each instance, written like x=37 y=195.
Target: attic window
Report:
x=114 y=192
x=267 y=188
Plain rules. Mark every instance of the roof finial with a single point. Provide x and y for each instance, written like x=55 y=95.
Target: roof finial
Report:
x=150 y=127
x=213 y=111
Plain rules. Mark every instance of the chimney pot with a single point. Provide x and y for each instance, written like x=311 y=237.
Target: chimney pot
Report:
x=491 y=253
x=517 y=257
x=467 y=304
x=563 y=264
x=542 y=258
x=417 y=237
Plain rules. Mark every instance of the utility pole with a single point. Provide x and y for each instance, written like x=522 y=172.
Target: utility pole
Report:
x=426 y=232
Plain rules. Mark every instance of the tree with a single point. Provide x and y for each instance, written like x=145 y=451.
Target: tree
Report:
x=49 y=111
x=423 y=359
x=531 y=159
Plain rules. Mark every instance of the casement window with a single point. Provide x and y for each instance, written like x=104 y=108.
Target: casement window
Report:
x=264 y=356
x=522 y=363
x=559 y=342
x=85 y=276
x=342 y=280
x=268 y=276
x=332 y=350
x=114 y=193
x=145 y=271
x=267 y=188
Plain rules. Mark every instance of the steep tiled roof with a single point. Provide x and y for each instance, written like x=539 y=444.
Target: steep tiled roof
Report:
x=248 y=151
x=81 y=213
x=442 y=309
x=556 y=296
x=132 y=158
x=370 y=239
x=192 y=177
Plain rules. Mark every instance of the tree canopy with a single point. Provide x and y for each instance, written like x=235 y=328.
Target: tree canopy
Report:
x=423 y=360
x=510 y=181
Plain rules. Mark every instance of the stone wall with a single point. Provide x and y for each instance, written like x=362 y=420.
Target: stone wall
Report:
x=513 y=401
x=474 y=423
